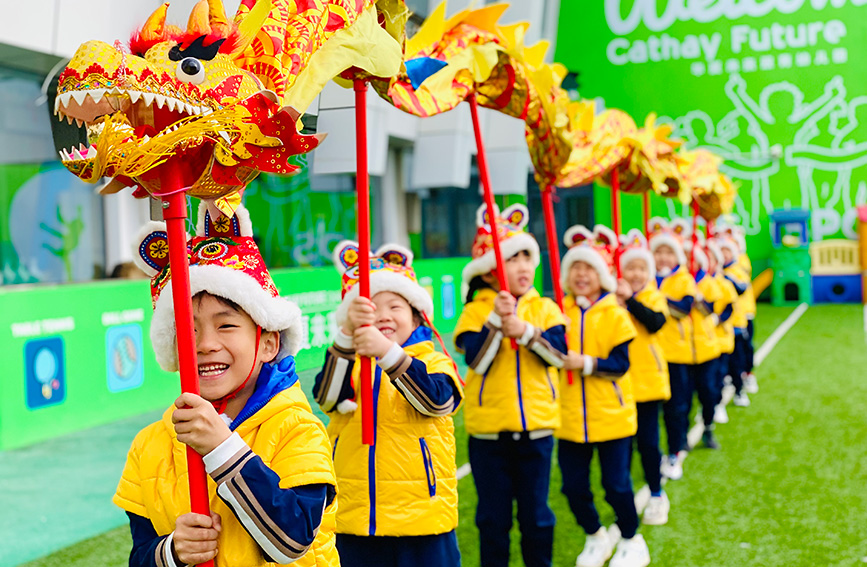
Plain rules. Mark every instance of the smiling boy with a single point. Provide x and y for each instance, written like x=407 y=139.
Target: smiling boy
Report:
x=273 y=490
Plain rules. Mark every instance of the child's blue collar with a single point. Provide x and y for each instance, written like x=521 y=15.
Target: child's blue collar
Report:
x=273 y=379
x=419 y=335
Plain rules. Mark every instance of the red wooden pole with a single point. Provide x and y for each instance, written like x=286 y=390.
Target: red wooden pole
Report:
x=489 y=198
x=692 y=266
x=554 y=254
x=615 y=217
x=175 y=215
x=362 y=189
x=646 y=211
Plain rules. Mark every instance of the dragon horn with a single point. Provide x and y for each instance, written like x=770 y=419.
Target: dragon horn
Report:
x=199 y=23
x=155 y=26
x=217 y=16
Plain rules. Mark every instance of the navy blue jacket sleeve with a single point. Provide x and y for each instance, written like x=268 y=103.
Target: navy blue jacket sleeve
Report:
x=432 y=395
x=333 y=383
x=549 y=345
x=617 y=363
x=282 y=521
x=652 y=320
x=680 y=308
x=726 y=313
x=480 y=348
x=144 y=542
x=740 y=286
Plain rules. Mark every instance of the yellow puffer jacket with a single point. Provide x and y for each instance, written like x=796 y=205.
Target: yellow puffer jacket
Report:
x=412 y=490
x=519 y=392
x=647 y=366
x=287 y=436
x=749 y=295
x=675 y=337
x=704 y=341
x=596 y=408
x=725 y=332
x=742 y=305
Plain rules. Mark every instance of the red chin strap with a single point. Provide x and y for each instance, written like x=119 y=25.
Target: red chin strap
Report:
x=220 y=405
x=443 y=345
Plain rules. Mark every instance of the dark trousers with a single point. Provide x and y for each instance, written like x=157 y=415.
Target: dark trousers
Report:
x=647 y=443
x=738 y=361
x=702 y=378
x=751 y=350
x=674 y=408
x=382 y=551
x=722 y=368
x=508 y=470
x=614 y=458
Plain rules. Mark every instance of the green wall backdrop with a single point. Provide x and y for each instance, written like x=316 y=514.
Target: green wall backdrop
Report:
x=77 y=356
x=777 y=88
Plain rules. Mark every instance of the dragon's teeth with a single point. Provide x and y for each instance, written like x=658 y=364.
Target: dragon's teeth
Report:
x=96 y=94
x=145 y=139
x=76 y=155
x=134 y=96
x=62 y=157
x=79 y=96
x=226 y=137
x=160 y=99
x=64 y=98
x=148 y=98
x=56 y=104
x=79 y=122
x=69 y=119
x=91 y=152
x=117 y=90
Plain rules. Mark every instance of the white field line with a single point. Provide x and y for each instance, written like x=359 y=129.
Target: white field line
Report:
x=694 y=435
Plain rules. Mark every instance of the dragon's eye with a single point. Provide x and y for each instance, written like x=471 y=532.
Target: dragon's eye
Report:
x=190 y=70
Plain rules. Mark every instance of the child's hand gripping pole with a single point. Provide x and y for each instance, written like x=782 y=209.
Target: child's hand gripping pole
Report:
x=615 y=218
x=362 y=188
x=554 y=255
x=693 y=269
x=175 y=215
x=489 y=199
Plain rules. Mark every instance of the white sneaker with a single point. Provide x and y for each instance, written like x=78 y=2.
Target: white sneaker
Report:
x=671 y=468
x=631 y=553
x=597 y=549
x=614 y=535
x=741 y=400
x=751 y=385
x=656 y=513
x=720 y=415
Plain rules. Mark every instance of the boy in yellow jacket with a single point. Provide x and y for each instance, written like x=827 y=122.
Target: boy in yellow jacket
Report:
x=648 y=370
x=740 y=360
x=598 y=407
x=397 y=502
x=705 y=345
x=724 y=309
x=273 y=490
x=678 y=287
x=512 y=395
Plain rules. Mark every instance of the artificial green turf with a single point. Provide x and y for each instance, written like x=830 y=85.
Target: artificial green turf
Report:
x=785 y=490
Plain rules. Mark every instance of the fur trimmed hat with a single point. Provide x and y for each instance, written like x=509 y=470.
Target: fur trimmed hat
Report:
x=634 y=246
x=595 y=248
x=390 y=270
x=714 y=250
x=513 y=239
x=225 y=262
x=700 y=255
x=664 y=234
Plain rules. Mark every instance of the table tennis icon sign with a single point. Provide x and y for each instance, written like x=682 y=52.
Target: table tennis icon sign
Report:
x=45 y=372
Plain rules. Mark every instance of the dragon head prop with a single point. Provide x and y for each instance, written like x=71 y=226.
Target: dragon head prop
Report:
x=215 y=100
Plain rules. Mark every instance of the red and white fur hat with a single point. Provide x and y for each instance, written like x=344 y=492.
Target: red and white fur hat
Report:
x=664 y=234
x=513 y=239
x=225 y=262
x=634 y=246
x=390 y=270
x=594 y=247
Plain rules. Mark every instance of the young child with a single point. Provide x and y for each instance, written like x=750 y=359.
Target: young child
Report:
x=739 y=360
x=725 y=331
x=512 y=398
x=598 y=408
x=678 y=287
x=648 y=370
x=705 y=348
x=397 y=502
x=751 y=385
x=273 y=489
